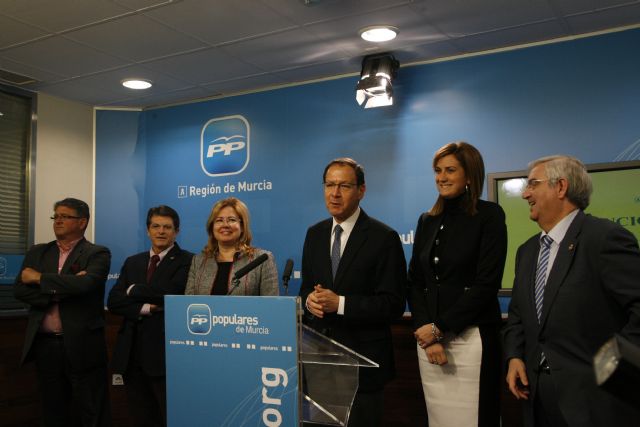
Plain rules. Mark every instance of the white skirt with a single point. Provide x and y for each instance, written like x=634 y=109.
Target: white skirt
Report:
x=452 y=391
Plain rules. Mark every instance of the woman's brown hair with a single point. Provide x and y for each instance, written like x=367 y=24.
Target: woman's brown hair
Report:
x=471 y=161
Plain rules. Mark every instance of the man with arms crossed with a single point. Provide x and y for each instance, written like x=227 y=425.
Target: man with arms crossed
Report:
x=576 y=285
x=63 y=282
x=353 y=283
x=138 y=296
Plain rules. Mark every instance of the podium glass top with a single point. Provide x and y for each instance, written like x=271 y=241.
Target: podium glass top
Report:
x=317 y=348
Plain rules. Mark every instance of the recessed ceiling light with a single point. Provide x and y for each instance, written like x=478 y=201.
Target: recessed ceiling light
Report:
x=379 y=33
x=136 y=84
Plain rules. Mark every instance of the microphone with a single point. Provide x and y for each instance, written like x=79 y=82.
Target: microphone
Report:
x=288 y=268
x=245 y=270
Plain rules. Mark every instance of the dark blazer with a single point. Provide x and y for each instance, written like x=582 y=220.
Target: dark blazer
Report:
x=145 y=332
x=81 y=299
x=372 y=277
x=592 y=292
x=469 y=279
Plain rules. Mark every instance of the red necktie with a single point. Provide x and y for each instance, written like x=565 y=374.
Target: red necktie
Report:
x=153 y=264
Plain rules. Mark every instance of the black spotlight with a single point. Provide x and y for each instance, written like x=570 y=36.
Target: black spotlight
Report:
x=375 y=88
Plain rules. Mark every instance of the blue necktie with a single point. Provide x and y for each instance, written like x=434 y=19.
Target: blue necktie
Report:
x=335 y=249
x=541 y=272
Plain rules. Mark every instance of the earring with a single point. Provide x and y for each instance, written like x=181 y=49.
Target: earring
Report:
x=466 y=188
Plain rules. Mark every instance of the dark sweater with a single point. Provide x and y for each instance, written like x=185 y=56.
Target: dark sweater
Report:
x=460 y=288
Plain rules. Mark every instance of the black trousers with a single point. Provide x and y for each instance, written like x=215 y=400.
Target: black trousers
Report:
x=69 y=398
x=146 y=397
x=546 y=410
x=367 y=409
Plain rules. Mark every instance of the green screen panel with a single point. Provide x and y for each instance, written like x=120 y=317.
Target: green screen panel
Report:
x=616 y=196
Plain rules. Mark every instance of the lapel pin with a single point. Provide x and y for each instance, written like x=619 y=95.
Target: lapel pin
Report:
x=571 y=246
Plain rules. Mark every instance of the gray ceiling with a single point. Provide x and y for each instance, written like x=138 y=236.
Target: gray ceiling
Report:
x=192 y=49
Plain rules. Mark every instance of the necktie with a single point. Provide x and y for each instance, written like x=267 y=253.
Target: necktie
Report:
x=335 y=249
x=153 y=264
x=541 y=272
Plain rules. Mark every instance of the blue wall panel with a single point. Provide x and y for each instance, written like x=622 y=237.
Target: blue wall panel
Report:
x=577 y=97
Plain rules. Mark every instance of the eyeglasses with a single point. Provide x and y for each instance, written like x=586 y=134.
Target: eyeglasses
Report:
x=342 y=186
x=64 y=217
x=230 y=220
x=533 y=183
x=165 y=227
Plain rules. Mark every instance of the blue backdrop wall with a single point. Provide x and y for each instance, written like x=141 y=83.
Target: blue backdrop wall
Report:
x=577 y=97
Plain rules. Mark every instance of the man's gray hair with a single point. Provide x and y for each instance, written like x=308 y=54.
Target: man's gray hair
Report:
x=574 y=171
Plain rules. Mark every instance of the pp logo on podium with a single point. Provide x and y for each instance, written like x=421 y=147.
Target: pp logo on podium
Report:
x=199 y=319
x=224 y=145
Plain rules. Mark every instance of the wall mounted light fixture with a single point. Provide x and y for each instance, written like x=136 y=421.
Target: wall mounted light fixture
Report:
x=375 y=89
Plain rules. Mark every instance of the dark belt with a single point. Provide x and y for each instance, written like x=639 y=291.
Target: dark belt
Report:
x=544 y=367
x=51 y=335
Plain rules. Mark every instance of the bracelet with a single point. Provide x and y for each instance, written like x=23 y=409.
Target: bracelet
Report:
x=438 y=337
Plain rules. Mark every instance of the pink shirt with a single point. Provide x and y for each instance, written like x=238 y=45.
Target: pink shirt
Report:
x=51 y=322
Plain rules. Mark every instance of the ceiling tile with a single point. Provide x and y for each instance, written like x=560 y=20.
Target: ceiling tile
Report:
x=106 y=87
x=61 y=56
x=87 y=94
x=515 y=36
x=135 y=38
x=179 y=96
x=144 y=4
x=60 y=15
x=325 y=10
x=571 y=7
x=16 y=32
x=245 y=84
x=429 y=51
x=221 y=21
x=458 y=18
x=321 y=71
x=293 y=50
x=344 y=33
x=25 y=70
x=205 y=66
x=610 y=18
x=232 y=46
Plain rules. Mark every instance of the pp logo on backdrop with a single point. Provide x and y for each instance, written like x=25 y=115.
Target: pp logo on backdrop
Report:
x=224 y=146
x=199 y=319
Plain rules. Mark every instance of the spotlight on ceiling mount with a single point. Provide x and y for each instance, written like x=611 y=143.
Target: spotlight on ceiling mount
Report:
x=374 y=88
x=136 y=84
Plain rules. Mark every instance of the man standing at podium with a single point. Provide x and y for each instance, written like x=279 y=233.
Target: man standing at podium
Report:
x=576 y=284
x=353 y=283
x=138 y=296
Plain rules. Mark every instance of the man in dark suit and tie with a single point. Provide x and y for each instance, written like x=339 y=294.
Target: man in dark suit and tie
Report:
x=353 y=283
x=576 y=285
x=138 y=296
x=63 y=283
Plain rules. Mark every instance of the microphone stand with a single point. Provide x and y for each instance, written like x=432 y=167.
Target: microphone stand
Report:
x=234 y=284
x=288 y=269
